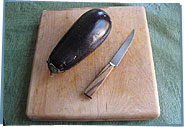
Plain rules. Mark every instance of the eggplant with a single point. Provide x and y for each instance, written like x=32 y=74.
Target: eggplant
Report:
x=85 y=35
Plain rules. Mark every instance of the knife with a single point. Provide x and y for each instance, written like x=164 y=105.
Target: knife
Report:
x=100 y=78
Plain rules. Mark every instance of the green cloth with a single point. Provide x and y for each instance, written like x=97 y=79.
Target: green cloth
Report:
x=21 y=28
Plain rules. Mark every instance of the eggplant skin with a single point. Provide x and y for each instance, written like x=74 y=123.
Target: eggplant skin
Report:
x=85 y=35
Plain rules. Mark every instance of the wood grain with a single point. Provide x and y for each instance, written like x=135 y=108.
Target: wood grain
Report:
x=98 y=81
x=129 y=93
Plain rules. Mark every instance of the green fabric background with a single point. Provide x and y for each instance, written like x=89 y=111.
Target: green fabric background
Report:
x=21 y=28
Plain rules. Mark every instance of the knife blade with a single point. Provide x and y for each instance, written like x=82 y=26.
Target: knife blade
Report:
x=121 y=52
x=100 y=78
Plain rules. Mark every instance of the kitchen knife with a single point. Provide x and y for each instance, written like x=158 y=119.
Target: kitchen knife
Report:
x=100 y=78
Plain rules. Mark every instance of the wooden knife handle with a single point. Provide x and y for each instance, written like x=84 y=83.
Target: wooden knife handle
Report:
x=97 y=82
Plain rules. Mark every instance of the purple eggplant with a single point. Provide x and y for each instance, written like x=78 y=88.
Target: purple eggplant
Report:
x=85 y=35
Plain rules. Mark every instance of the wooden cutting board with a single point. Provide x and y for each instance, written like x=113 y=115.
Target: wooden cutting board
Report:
x=130 y=91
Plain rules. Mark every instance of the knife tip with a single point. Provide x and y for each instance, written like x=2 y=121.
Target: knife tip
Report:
x=133 y=30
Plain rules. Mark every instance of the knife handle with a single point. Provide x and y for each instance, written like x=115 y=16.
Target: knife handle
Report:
x=98 y=81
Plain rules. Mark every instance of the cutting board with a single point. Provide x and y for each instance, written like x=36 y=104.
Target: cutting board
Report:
x=130 y=91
